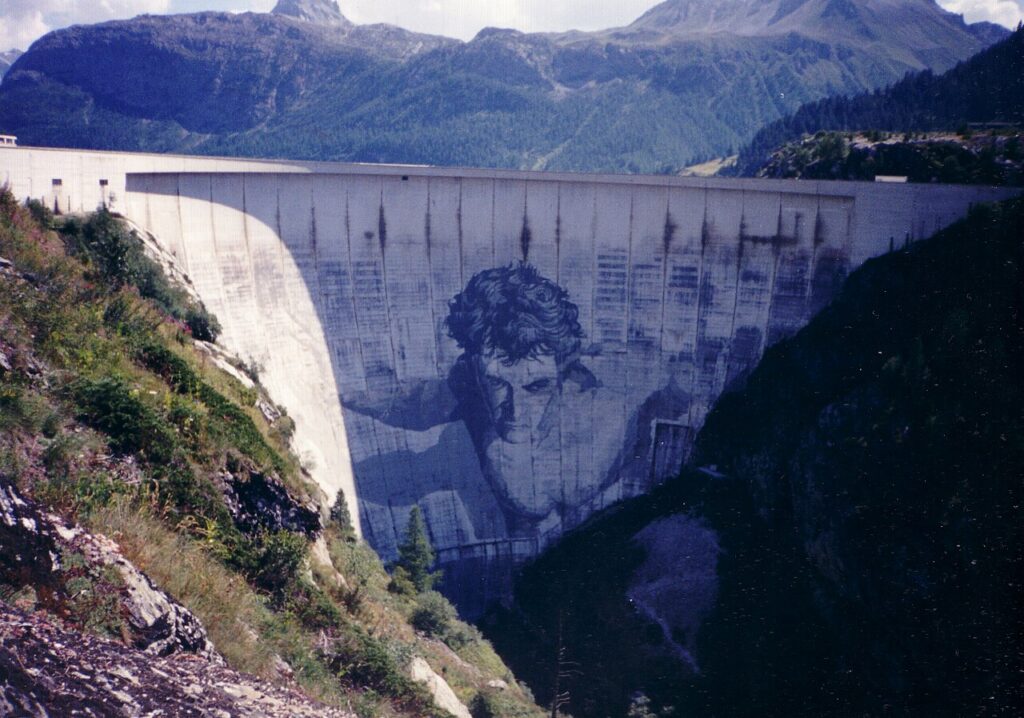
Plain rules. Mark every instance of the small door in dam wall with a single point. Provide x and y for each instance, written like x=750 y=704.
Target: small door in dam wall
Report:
x=59 y=200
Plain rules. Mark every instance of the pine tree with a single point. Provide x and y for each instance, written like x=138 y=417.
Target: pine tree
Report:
x=340 y=514
x=415 y=554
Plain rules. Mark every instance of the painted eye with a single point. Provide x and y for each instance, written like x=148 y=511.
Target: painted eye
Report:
x=539 y=385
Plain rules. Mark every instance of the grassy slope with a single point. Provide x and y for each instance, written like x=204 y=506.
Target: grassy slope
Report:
x=110 y=416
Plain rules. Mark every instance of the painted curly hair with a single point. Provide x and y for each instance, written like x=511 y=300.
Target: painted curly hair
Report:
x=516 y=313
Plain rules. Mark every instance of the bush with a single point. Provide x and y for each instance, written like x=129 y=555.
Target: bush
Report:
x=498 y=705
x=433 y=615
x=274 y=560
x=312 y=606
x=203 y=325
x=118 y=255
x=112 y=406
x=229 y=422
x=400 y=582
x=362 y=660
x=40 y=212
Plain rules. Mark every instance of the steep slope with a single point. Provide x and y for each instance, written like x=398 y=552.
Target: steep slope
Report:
x=683 y=82
x=966 y=157
x=987 y=88
x=851 y=541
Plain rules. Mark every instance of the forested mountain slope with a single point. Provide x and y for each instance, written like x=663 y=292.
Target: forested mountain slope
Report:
x=683 y=82
x=988 y=88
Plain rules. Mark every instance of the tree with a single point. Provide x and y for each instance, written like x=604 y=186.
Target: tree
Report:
x=415 y=554
x=340 y=514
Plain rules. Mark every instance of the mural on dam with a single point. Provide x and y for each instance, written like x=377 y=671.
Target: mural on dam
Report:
x=510 y=351
x=522 y=398
x=520 y=367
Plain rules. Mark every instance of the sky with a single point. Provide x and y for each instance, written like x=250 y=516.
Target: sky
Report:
x=23 y=21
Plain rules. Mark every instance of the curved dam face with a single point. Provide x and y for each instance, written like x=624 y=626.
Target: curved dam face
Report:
x=509 y=351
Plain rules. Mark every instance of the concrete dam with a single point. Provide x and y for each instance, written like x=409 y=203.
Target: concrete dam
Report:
x=511 y=351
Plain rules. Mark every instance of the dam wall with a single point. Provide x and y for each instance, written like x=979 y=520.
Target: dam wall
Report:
x=511 y=351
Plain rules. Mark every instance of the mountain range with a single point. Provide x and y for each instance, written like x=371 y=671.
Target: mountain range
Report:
x=687 y=80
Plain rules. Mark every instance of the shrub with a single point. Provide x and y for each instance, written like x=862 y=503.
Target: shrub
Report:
x=314 y=609
x=273 y=560
x=433 y=615
x=112 y=406
x=499 y=705
x=118 y=255
x=203 y=325
x=400 y=582
x=40 y=212
x=361 y=659
x=57 y=457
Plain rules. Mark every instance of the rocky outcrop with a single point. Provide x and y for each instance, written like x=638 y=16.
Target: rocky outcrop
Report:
x=40 y=550
x=260 y=502
x=46 y=670
x=421 y=672
x=7 y=59
x=676 y=585
x=321 y=12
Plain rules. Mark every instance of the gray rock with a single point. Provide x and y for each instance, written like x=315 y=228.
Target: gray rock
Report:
x=260 y=502
x=321 y=12
x=445 y=698
x=34 y=542
x=47 y=671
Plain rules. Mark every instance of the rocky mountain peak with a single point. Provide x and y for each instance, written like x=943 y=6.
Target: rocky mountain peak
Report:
x=321 y=12
x=915 y=29
x=7 y=59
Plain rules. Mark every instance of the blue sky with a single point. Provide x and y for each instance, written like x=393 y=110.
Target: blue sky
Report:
x=22 y=21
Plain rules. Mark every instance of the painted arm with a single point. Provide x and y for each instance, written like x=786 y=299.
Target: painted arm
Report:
x=416 y=407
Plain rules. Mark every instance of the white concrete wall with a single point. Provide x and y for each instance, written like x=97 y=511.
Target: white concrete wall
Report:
x=337 y=280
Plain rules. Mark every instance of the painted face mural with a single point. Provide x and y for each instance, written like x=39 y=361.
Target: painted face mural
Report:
x=528 y=429
x=518 y=375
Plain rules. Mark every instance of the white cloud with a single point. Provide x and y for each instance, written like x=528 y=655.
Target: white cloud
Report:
x=464 y=18
x=1005 y=12
x=24 y=21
